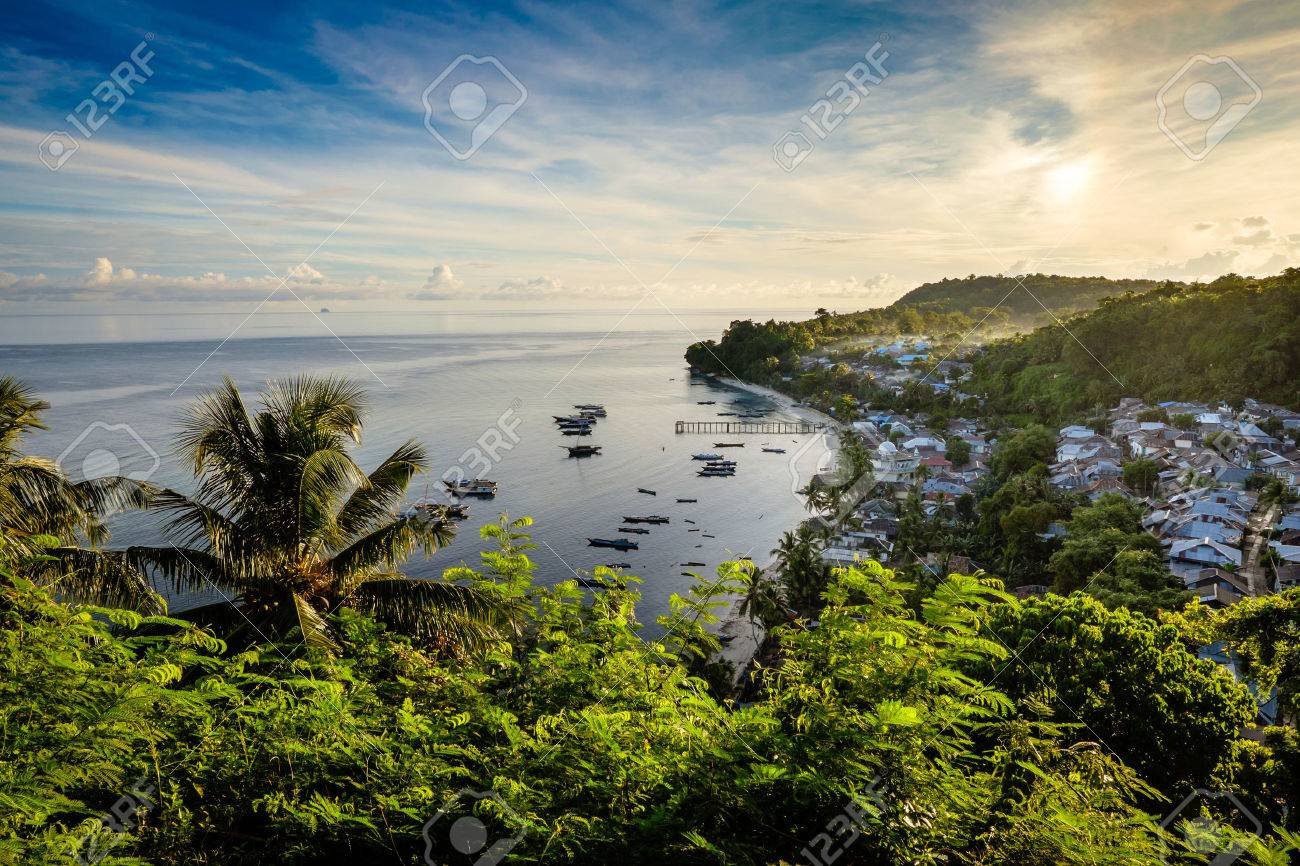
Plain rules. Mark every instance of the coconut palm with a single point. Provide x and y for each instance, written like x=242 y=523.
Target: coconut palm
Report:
x=802 y=571
x=37 y=501
x=762 y=601
x=287 y=527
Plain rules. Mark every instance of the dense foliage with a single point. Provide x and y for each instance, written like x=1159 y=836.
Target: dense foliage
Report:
x=938 y=721
x=598 y=746
x=1024 y=300
x=1233 y=338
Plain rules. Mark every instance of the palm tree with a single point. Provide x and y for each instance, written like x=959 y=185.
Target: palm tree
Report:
x=1277 y=492
x=802 y=571
x=762 y=601
x=37 y=501
x=287 y=527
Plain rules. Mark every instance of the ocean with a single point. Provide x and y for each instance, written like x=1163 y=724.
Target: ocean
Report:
x=479 y=389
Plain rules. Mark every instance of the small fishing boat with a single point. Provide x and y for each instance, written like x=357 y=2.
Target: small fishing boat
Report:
x=728 y=444
x=634 y=530
x=706 y=535
x=647 y=492
x=692 y=530
x=695 y=564
x=616 y=543
x=574 y=419
x=705 y=402
x=618 y=565
x=576 y=431
x=774 y=450
x=706 y=456
x=590 y=407
x=688 y=520
x=478 y=487
x=688 y=500
x=582 y=450
x=725 y=414
x=716 y=473
x=653 y=518
x=592 y=583
x=719 y=464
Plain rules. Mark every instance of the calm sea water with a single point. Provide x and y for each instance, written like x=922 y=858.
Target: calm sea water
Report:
x=452 y=381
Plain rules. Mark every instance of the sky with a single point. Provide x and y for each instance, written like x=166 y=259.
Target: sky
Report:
x=685 y=155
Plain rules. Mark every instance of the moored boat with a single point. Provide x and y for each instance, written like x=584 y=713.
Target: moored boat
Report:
x=728 y=444
x=649 y=492
x=653 y=518
x=774 y=450
x=477 y=487
x=582 y=450
x=634 y=529
x=706 y=456
x=616 y=543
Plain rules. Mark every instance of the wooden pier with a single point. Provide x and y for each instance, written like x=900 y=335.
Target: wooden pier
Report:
x=774 y=427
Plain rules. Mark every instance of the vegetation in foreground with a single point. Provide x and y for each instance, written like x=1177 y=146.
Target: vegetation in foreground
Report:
x=902 y=723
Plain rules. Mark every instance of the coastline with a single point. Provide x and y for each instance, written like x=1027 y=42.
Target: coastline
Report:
x=747 y=634
x=785 y=401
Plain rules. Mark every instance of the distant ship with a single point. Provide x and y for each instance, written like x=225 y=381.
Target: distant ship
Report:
x=324 y=309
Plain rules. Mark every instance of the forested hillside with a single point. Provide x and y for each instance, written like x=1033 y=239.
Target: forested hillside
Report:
x=971 y=308
x=1020 y=300
x=1233 y=338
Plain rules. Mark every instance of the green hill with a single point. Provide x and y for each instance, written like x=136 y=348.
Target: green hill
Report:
x=1019 y=300
x=951 y=312
x=1233 y=338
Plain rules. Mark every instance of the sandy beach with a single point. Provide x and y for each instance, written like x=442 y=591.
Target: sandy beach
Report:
x=746 y=634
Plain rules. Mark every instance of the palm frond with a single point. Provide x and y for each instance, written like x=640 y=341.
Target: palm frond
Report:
x=384 y=489
x=465 y=618
x=20 y=411
x=326 y=475
x=96 y=577
x=315 y=630
x=216 y=433
x=327 y=404
x=191 y=522
x=391 y=544
x=107 y=496
x=186 y=570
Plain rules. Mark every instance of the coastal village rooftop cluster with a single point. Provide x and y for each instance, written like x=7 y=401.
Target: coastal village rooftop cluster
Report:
x=1202 y=502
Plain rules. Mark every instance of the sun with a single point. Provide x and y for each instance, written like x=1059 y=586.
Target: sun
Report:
x=1067 y=181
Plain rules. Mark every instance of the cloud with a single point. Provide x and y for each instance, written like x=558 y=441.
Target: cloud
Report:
x=305 y=273
x=1254 y=239
x=441 y=285
x=529 y=290
x=1201 y=268
x=105 y=282
x=1205 y=226
x=1255 y=221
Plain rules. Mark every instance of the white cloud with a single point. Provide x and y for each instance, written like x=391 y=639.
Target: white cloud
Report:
x=441 y=285
x=538 y=288
x=305 y=273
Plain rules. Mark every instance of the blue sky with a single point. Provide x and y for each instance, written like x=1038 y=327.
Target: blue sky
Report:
x=1002 y=138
